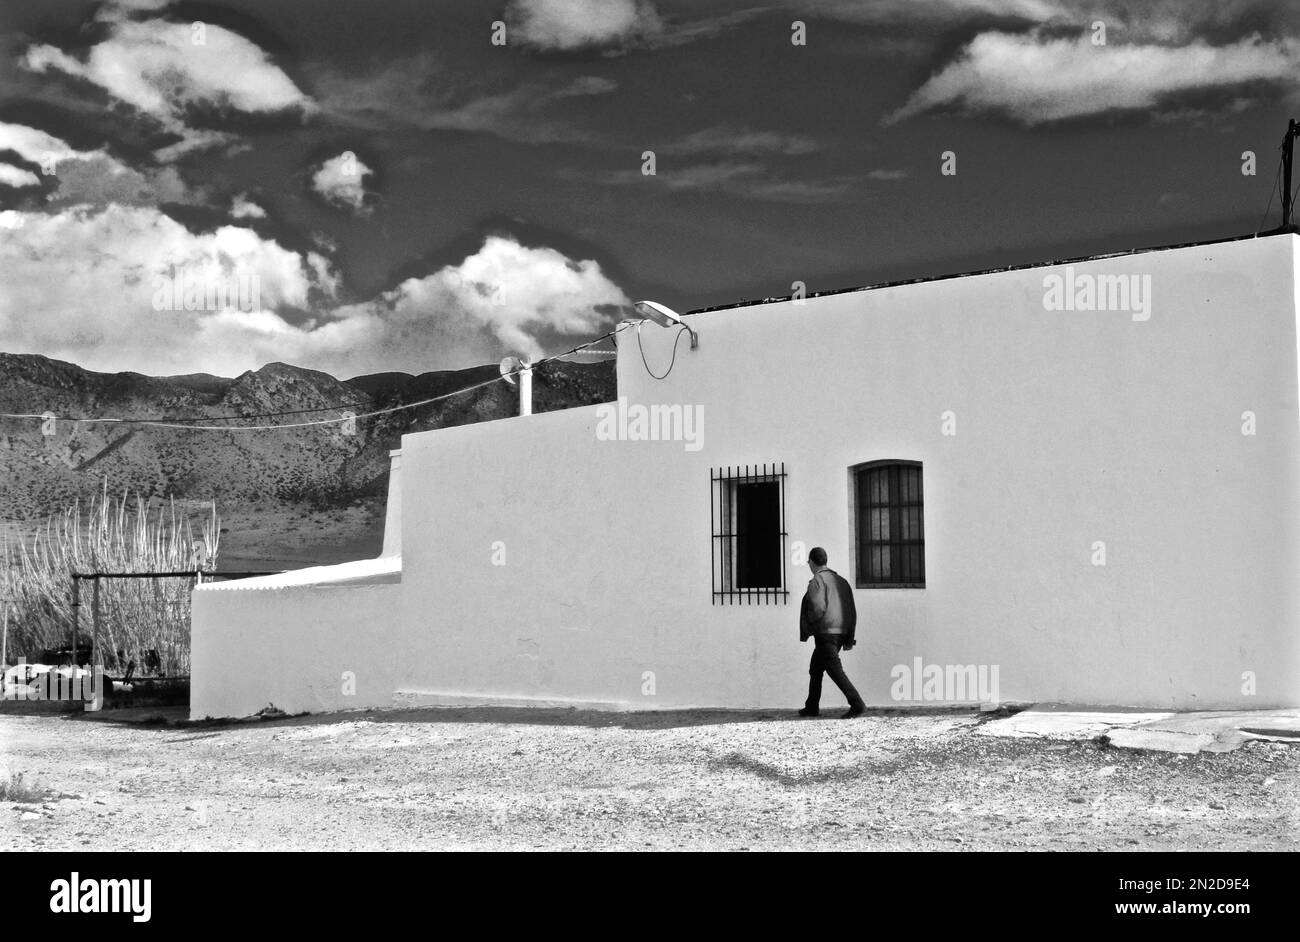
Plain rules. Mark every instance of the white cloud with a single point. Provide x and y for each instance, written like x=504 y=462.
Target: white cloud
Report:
x=93 y=177
x=414 y=91
x=100 y=180
x=36 y=146
x=17 y=177
x=732 y=140
x=80 y=286
x=880 y=12
x=244 y=208
x=610 y=26
x=745 y=180
x=505 y=298
x=587 y=85
x=324 y=242
x=341 y=180
x=577 y=24
x=1034 y=79
x=1134 y=20
x=120 y=9
x=156 y=68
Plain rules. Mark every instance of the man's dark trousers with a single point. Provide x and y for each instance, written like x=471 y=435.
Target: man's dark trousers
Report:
x=826 y=659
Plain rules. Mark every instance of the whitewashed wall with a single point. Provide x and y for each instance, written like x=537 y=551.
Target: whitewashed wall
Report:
x=296 y=648
x=1072 y=428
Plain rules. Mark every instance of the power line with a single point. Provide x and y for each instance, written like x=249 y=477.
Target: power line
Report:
x=178 y=423
x=313 y=422
x=1277 y=178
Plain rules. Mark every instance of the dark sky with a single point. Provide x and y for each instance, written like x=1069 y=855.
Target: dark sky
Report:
x=505 y=209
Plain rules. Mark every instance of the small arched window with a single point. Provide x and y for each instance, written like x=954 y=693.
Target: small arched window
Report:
x=889 y=512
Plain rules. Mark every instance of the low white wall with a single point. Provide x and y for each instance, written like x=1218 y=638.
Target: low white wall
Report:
x=300 y=649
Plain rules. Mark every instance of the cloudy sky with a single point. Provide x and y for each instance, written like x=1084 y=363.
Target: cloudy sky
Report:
x=418 y=184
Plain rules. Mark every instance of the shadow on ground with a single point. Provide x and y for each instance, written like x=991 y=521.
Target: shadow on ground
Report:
x=174 y=718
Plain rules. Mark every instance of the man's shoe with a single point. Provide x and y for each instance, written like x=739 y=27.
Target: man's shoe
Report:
x=858 y=709
x=807 y=712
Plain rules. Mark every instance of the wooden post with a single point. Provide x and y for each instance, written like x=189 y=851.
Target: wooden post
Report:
x=94 y=622
x=161 y=605
x=76 y=611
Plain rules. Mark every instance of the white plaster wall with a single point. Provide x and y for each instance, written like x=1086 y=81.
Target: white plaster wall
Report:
x=291 y=647
x=393 y=511
x=1073 y=427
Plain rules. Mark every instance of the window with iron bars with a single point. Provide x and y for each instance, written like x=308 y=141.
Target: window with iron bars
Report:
x=890 y=511
x=747 y=506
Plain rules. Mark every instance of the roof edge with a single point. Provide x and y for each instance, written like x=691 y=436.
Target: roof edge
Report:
x=1285 y=230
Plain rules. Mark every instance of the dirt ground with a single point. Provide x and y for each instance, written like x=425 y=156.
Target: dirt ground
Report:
x=459 y=779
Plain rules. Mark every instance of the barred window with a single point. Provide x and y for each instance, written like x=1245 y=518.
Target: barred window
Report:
x=890 y=524
x=748 y=519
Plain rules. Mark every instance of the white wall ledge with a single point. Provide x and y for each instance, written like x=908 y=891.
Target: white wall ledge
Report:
x=386 y=570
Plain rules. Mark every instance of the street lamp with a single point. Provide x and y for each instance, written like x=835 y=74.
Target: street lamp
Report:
x=665 y=317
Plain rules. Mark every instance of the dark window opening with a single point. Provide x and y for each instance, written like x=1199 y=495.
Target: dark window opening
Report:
x=748 y=510
x=890 y=524
x=758 y=535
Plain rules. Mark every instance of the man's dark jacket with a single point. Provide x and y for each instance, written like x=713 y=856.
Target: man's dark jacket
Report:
x=828 y=608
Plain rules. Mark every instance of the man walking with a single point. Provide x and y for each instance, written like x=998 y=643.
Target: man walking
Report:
x=830 y=618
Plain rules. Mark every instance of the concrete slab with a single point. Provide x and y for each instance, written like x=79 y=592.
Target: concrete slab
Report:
x=1214 y=721
x=1065 y=725
x=1274 y=724
x=1158 y=740
x=1207 y=731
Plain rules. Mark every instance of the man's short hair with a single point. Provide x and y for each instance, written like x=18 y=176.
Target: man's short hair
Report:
x=817 y=556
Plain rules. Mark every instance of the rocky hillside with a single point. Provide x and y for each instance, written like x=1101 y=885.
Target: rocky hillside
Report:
x=319 y=467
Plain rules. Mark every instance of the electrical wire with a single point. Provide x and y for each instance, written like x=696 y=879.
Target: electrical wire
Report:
x=681 y=330
x=1277 y=179
x=177 y=423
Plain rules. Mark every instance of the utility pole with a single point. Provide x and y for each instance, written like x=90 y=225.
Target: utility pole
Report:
x=1288 y=152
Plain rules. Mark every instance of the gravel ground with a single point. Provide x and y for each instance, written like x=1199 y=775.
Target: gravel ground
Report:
x=458 y=779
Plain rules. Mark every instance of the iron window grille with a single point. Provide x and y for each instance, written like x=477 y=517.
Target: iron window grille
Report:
x=890 y=521
x=747 y=511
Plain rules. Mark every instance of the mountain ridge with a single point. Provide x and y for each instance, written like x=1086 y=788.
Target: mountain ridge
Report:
x=319 y=466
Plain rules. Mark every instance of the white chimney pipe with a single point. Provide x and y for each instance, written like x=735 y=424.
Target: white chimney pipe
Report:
x=525 y=388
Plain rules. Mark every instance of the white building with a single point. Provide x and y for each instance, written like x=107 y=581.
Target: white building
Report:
x=1100 y=503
